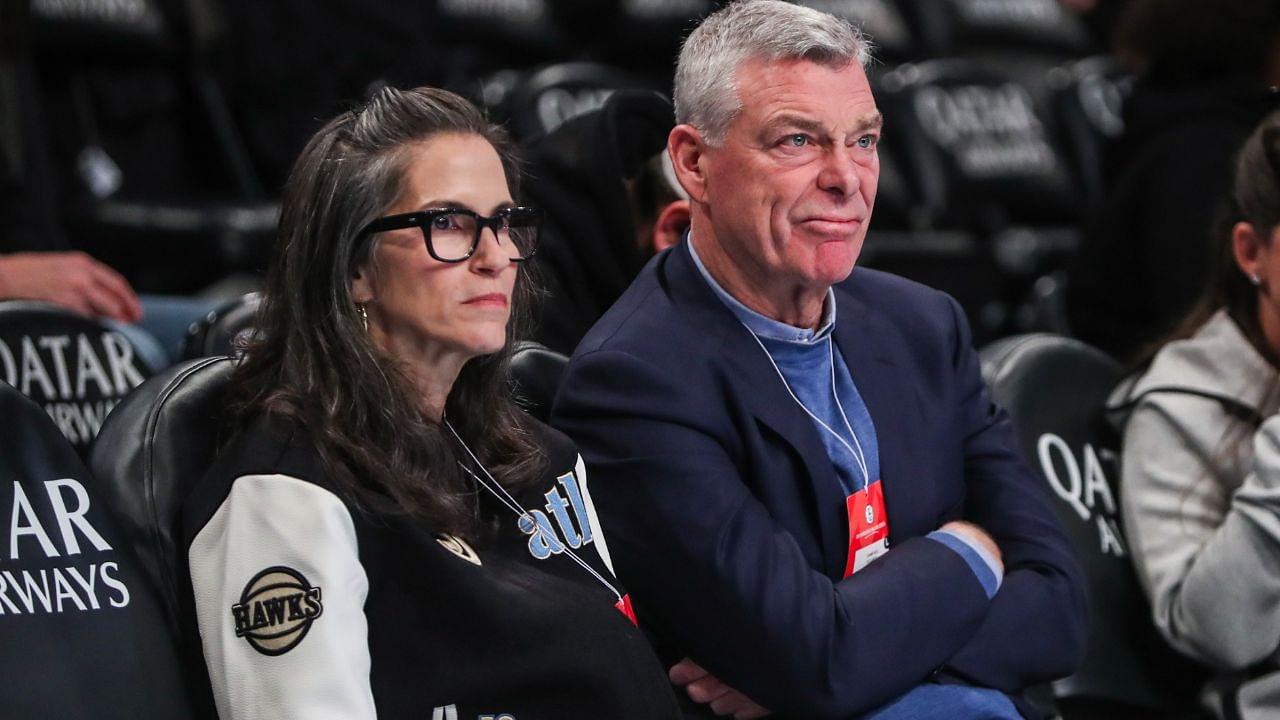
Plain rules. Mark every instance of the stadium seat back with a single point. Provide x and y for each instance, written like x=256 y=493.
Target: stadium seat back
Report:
x=980 y=149
x=220 y=332
x=959 y=27
x=645 y=35
x=541 y=100
x=535 y=377
x=1055 y=389
x=157 y=444
x=85 y=635
x=1088 y=96
x=484 y=35
x=102 y=29
x=75 y=368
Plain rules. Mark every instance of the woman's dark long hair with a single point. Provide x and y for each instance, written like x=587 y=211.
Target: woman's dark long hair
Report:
x=313 y=361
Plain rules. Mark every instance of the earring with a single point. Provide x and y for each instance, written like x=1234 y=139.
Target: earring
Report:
x=364 y=316
x=1253 y=278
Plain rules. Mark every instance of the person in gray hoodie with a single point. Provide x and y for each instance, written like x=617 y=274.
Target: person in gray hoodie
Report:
x=1200 y=483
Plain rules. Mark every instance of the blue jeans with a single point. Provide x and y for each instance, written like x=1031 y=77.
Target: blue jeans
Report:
x=158 y=337
x=948 y=702
x=167 y=318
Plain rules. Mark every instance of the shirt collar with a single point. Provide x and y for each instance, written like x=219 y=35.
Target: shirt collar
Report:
x=766 y=327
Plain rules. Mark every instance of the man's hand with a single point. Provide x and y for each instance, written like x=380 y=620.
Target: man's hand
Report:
x=978 y=535
x=70 y=279
x=704 y=688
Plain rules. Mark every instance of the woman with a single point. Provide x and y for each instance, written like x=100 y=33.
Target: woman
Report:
x=1203 y=525
x=388 y=534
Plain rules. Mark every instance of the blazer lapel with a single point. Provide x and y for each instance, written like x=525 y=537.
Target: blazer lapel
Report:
x=774 y=407
x=862 y=336
x=766 y=396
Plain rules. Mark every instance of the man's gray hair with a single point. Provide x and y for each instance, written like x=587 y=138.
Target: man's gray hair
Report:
x=706 y=92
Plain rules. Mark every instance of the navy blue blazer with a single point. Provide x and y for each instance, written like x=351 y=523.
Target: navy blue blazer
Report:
x=728 y=523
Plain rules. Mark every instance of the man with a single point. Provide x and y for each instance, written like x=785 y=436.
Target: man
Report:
x=753 y=406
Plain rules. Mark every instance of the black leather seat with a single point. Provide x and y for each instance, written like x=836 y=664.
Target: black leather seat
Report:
x=82 y=631
x=537 y=102
x=156 y=444
x=987 y=156
x=951 y=27
x=163 y=437
x=218 y=332
x=535 y=377
x=1088 y=96
x=982 y=152
x=1055 y=389
x=75 y=368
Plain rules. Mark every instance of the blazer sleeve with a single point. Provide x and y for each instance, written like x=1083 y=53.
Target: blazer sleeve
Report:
x=1035 y=630
x=273 y=536
x=712 y=572
x=1208 y=556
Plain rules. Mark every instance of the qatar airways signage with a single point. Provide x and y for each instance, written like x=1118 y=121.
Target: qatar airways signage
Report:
x=111 y=11
x=56 y=561
x=1081 y=483
x=1013 y=13
x=76 y=377
x=992 y=131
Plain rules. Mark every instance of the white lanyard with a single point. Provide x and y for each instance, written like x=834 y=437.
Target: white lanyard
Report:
x=514 y=506
x=859 y=458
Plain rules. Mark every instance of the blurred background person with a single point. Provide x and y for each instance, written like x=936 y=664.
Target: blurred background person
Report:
x=1205 y=73
x=609 y=207
x=1203 y=525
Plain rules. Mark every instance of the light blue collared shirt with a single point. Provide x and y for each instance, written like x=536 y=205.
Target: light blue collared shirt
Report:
x=807 y=360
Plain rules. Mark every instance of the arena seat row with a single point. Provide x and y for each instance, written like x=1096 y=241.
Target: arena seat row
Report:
x=161 y=436
x=996 y=137
x=86 y=633
x=1055 y=389
x=644 y=35
x=161 y=428
x=78 y=369
x=981 y=168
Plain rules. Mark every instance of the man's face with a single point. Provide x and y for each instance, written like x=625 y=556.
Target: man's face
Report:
x=790 y=189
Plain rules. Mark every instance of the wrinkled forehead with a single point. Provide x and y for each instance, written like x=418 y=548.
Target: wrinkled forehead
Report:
x=833 y=97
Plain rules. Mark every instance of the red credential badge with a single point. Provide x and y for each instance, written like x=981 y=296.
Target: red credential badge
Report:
x=868 y=527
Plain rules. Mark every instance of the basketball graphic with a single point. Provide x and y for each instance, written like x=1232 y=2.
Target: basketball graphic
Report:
x=276 y=610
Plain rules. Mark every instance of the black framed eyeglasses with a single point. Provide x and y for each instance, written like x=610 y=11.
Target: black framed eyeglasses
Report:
x=453 y=234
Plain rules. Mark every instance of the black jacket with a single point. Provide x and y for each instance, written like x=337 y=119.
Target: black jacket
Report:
x=308 y=607
x=588 y=250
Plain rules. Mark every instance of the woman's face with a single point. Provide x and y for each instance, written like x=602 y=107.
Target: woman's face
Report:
x=420 y=308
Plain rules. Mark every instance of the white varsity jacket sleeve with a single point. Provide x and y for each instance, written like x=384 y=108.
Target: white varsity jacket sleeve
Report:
x=279 y=595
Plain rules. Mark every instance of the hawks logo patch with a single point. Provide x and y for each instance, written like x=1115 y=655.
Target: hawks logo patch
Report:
x=276 y=610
